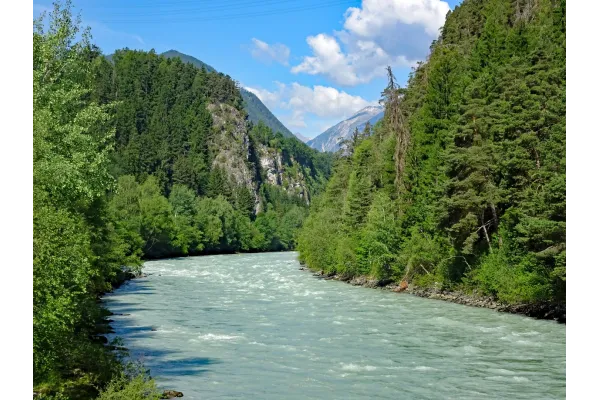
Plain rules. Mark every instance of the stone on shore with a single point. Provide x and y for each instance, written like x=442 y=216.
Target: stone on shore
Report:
x=171 y=394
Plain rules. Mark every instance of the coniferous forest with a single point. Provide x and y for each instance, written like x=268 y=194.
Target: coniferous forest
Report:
x=462 y=184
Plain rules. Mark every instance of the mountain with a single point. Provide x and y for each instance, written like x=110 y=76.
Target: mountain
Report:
x=468 y=190
x=193 y=137
x=188 y=59
x=303 y=138
x=330 y=139
x=256 y=110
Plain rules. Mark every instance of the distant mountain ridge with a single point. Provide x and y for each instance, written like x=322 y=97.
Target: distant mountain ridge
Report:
x=188 y=59
x=331 y=138
x=255 y=108
x=301 y=137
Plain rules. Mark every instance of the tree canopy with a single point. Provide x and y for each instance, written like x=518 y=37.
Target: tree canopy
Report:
x=463 y=182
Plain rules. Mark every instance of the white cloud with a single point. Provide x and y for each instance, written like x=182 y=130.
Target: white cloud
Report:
x=380 y=33
x=324 y=101
x=328 y=59
x=267 y=53
x=270 y=99
x=320 y=101
x=296 y=120
x=377 y=16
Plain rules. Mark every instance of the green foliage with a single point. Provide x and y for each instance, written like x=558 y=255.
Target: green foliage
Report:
x=77 y=251
x=318 y=239
x=379 y=243
x=469 y=162
x=256 y=110
x=125 y=388
x=218 y=184
x=257 y=113
x=167 y=140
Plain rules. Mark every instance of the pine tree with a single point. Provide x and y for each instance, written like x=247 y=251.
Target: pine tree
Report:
x=218 y=184
x=244 y=201
x=367 y=130
x=476 y=147
x=394 y=121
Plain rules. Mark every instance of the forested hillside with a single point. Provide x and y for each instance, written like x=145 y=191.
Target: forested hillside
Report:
x=462 y=184
x=256 y=110
x=182 y=144
x=137 y=157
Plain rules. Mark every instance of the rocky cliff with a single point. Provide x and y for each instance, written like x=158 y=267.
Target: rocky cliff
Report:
x=249 y=165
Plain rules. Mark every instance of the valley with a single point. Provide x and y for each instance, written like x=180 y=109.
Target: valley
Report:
x=185 y=239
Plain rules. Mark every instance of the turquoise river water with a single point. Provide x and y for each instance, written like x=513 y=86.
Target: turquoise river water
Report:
x=253 y=326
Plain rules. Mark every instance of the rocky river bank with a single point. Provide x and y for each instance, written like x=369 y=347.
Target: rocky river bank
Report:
x=556 y=312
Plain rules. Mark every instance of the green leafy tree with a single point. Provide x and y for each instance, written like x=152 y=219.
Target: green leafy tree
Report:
x=187 y=237
x=157 y=225
x=76 y=252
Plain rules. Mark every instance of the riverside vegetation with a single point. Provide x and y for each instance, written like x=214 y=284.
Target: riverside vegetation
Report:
x=140 y=156
x=461 y=186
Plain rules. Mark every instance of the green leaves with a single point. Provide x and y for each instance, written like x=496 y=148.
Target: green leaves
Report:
x=75 y=251
x=477 y=143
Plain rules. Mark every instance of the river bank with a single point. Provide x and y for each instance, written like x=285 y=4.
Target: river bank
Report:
x=548 y=311
x=104 y=324
x=202 y=325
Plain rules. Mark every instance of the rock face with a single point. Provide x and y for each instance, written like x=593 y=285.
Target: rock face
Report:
x=231 y=145
x=329 y=140
x=270 y=163
x=290 y=177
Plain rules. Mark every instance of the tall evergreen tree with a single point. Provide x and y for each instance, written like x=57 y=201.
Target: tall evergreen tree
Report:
x=472 y=155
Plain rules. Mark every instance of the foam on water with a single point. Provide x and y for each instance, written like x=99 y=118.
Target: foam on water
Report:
x=217 y=338
x=358 y=368
x=424 y=368
x=254 y=326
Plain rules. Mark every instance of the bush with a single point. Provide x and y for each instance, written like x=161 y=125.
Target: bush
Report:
x=123 y=387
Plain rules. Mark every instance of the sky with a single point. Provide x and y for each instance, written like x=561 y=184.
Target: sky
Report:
x=312 y=62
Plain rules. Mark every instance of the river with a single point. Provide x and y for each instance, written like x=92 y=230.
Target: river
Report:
x=254 y=326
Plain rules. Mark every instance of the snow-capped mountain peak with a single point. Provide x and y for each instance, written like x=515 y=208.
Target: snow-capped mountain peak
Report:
x=330 y=139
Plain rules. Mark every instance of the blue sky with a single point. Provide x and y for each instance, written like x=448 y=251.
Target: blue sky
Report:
x=312 y=62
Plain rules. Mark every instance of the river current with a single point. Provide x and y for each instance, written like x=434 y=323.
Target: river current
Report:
x=253 y=326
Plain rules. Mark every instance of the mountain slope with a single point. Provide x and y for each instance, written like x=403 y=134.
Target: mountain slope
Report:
x=300 y=136
x=256 y=110
x=186 y=146
x=467 y=191
x=330 y=139
x=188 y=59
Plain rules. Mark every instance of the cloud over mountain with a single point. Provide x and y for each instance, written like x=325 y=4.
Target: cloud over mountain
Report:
x=379 y=33
x=322 y=101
